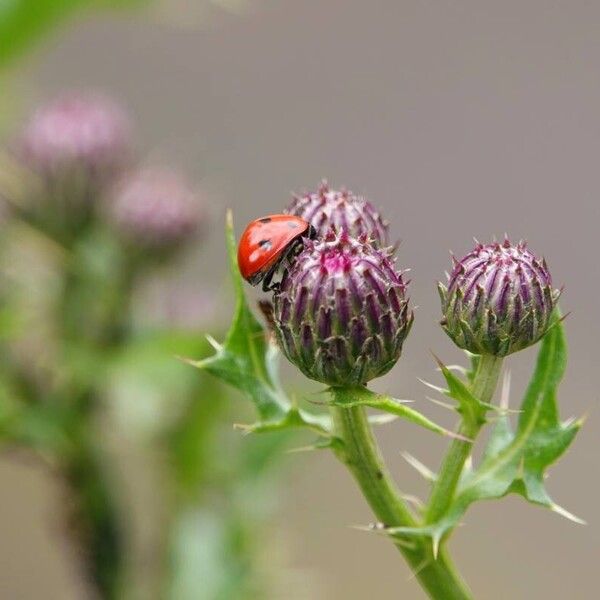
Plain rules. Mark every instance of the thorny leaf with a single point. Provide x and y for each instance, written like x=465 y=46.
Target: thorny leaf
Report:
x=516 y=461
x=248 y=359
x=365 y=397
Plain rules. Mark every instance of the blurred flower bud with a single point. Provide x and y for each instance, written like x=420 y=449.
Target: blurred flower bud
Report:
x=65 y=157
x=341 y=210
x=155 y=210
x=78 y=133
x=341 y=314
x=499 y=299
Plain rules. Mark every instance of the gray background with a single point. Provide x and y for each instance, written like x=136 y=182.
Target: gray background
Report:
x=458 y=119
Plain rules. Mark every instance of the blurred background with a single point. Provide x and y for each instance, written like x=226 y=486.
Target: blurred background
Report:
x=457 y=119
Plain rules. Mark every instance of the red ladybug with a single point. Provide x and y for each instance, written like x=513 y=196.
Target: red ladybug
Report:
x=266 y=243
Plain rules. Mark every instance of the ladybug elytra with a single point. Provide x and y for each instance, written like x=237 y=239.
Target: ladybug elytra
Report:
x=266 y=243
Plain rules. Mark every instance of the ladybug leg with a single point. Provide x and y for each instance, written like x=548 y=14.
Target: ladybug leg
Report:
x=295 y=249
x=268 y=285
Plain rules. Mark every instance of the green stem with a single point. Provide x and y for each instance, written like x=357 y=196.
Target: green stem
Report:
x=95 y=520
x=93 y=316
x=360 y=453
x=95 y=305
x=483 y=388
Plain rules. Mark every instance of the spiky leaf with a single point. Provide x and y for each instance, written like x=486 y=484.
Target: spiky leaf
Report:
x=517 y=461
x=248 y=359
x=550 y=437
x=244 y=359
x=361 y=396
x=470 y=407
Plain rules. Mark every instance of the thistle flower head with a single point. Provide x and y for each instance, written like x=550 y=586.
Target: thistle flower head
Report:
x=341 y=314
x=499 y=299
x=85 y=132
x=341 y=210
x=154 y=209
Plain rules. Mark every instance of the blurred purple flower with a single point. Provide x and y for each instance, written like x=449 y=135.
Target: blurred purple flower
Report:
x=78 y=131
x=155 y=209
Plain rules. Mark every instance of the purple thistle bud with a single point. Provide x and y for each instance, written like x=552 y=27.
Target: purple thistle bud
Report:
x=155 y=209
x=67 y=155
x=499 y=299
x=342 y=314
x=77 y=132
x=341 y=210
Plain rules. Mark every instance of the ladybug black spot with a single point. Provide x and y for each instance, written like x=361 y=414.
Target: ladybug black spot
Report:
x=265 y=220
x=265 y=244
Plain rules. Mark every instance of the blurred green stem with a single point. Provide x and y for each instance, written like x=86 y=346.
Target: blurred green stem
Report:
x=95 y=302
x=95 y=519
x=361 y=455
x=93 y=314
x=483 y=387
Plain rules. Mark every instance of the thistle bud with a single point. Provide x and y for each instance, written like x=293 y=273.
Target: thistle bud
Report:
x=341 y=314
x=499 y=299
x=155 y=210
x=65 y=158
x=83 y=133
x=340 y=210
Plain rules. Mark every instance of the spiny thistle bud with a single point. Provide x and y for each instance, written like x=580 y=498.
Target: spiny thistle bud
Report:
x=340 y=210
x=341 y=314
x=499 y=299
x=85 y=133
x=155 y=210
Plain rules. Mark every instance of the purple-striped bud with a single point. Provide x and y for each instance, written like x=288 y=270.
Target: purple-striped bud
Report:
x=499 y=299
x=155 y=210
x=341 y=210
x=77 y=135
x=341 y=314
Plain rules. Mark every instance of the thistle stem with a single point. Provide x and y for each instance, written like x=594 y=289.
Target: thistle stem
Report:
x=360 y=453
x=483 y=388
x=95 y=521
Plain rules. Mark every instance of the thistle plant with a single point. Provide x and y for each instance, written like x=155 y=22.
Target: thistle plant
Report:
x=341 y=317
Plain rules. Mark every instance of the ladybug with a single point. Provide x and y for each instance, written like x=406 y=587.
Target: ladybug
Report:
x=266 y=243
